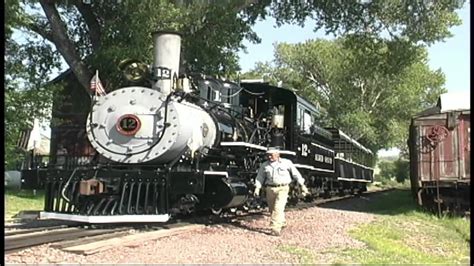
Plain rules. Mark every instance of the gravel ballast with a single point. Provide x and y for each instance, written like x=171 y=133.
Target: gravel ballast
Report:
x=312 y=230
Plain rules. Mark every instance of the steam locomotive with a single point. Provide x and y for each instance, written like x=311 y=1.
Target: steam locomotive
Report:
x=187 y=143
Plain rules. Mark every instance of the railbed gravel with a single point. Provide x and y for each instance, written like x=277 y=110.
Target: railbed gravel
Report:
x=314 y=230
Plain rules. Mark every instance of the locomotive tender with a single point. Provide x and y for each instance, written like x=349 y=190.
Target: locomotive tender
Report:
x=195 y=142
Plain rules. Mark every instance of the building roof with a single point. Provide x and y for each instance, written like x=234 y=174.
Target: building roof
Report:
x=61 y=76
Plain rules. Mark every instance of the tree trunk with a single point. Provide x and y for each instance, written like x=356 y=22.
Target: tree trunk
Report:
x=64 y=45
x=91 y=22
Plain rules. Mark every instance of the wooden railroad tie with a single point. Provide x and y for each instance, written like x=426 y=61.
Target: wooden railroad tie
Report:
x=128 y=240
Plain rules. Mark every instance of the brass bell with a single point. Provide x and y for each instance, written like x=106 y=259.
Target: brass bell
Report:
x=133 y=70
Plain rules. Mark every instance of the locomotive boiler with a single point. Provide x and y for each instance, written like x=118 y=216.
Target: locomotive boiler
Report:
x=175 y=143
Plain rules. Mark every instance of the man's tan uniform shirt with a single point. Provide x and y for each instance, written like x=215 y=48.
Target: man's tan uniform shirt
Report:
x=278 y=172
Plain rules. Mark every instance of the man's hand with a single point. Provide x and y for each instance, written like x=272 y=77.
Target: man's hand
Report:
x=256 y=192
x=304 y=191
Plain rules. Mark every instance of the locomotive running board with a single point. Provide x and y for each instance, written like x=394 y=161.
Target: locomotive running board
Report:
x=160 y=218
x=310 y=167
x=243 y=144
x=354 y=180
x=253 y=146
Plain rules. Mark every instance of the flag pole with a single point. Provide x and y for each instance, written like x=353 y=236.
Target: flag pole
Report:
x=96 y=77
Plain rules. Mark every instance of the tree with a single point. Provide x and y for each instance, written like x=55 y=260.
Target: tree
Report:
x=100 y=34
x=402 y=170
x=398 y=170
x=364 y=85
x=25 y=96
x=97 y=35
x=425 y=21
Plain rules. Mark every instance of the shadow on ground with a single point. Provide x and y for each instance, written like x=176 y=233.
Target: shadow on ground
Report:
x=396 y=201
x=262 y=230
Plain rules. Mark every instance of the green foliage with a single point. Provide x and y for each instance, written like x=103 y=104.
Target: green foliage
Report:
x=211 y=35
x=398 y=170
x=387 y=169
x=426 y=21
x=28 y=64
x=402 y=170
x=364 y=85
x=106 y=32
x=21 y=107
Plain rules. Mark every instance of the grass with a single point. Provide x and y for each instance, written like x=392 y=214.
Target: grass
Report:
x=401 y=234
x=404 y=234
x=20 y=200
x=303 y=254
x=383 y=183
x=408 y=240
x=393 y=202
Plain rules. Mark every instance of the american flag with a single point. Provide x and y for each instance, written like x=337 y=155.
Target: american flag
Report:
x=23 y=138
x=96 y=85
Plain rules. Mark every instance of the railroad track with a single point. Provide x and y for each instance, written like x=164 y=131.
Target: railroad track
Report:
x=89 y=239
x=226 y=217
x=21 y=239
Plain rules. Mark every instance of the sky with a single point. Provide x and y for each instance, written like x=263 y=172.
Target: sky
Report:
x=452 y=55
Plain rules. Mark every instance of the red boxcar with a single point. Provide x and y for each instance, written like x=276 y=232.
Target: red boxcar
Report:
x=439 y=145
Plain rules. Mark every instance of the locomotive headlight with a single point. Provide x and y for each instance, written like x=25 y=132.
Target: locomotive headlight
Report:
x=128 y=124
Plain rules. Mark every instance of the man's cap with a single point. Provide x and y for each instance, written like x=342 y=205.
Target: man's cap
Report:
x=273 y=150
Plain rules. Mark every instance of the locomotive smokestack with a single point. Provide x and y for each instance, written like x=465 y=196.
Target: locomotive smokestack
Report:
x=166 y=54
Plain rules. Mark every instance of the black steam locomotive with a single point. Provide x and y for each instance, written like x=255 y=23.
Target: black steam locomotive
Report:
x=194 y=142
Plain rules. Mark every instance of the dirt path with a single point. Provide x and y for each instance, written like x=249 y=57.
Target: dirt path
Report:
x=310 y=232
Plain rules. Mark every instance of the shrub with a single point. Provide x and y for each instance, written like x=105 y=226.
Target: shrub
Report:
x=398 y=170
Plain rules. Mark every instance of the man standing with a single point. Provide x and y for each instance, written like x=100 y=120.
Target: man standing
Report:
x=275 y=175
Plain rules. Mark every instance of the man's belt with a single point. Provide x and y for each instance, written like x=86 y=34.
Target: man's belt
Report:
x=276 y=185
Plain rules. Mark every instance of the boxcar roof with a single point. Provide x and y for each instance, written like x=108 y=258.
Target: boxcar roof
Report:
x=448 y=102
x=454 y=101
